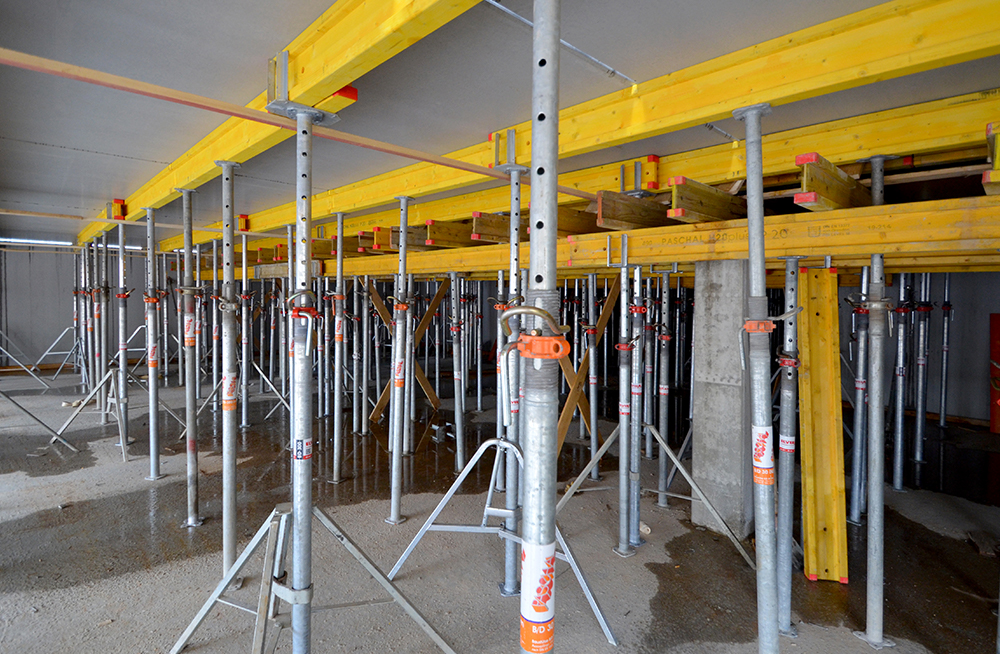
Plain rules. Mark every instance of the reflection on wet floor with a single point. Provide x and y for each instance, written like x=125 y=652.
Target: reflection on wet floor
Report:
x=108 y=539
x=938 y=590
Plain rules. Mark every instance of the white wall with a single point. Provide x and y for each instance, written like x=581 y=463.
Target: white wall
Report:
x=36 y=298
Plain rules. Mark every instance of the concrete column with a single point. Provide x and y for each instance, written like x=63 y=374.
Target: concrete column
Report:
x=721 y=397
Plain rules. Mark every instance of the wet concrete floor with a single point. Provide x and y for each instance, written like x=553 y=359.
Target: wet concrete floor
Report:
x=939 y=591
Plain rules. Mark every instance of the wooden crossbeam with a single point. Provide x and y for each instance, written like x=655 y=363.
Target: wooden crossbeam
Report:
x=574 y=221
x=494 y=227
x=575 y=379
x=418 y=334
x=449 y=234
x=826 y=187
x=617 y=211
x=991 y=178
x=323 y=248
x=689 y=197
x=416 y=238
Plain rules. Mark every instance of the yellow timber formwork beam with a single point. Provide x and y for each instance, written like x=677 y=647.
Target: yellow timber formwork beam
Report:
x=917 y=131
x=887 y=41
x=821 y=433
x=350 y=39
x=965 y=227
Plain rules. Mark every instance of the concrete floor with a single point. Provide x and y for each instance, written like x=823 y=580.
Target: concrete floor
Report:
x=93 y=558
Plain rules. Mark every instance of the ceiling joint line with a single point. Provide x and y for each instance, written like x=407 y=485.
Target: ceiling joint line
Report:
x=610 y=70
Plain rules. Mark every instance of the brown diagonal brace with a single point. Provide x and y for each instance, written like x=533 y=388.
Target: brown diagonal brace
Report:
x=418 y=334
x=575 y=378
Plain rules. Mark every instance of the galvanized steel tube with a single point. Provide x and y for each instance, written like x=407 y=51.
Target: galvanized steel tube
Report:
x=338 y=357
x=762 y=435
x=397 y=408
x=899 y=436
x=860 y=404
x=541 y=377
x=190 y=362
x=228 y=304
x=946 y=317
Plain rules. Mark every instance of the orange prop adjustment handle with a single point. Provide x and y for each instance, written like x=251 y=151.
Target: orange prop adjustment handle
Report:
x=542 y=347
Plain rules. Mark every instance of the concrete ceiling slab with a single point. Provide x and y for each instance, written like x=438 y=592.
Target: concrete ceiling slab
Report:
x=67 y=147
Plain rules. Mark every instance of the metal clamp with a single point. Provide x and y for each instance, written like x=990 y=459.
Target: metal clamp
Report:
x=758 y=326
x=532 y=346
x=290 y=595
x=788 y=362
x=530 y=311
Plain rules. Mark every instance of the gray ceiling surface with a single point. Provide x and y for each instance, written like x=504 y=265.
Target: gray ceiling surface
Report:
x=68 y=147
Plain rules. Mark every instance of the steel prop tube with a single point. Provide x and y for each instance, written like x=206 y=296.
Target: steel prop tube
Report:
x=664 y=388
x=946 y=318
x=511 y=586
x=635 y=435
x=592 y=337
x=152 y=299
x=356 y=406
x=789 y=362
x=246 y=356
x=899 y=436
x=122 y=337
x=762 y=435
x=338 y=357
x=541 y=376
x=459 y=373
x=923 y=308
x=397 y=408
x=877 y=317
x=228 y=304
x=190 y=362
x=860 y=404
x=303 y=322
x=366 y=354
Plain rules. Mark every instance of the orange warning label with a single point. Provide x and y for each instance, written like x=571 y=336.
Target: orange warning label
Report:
x=537 y=638
x=763 y=476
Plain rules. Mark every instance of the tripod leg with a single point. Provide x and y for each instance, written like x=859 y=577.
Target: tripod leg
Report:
x=223 y=585
x=266 y=582
x=586 y=588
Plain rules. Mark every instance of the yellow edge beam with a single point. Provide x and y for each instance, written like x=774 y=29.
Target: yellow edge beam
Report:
x=884 y=42
x=348 y=40
x=918 y=228
x=948 y=124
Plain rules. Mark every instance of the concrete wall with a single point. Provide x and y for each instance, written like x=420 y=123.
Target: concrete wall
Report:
x=36 y=300
x=974 y=297
x=721 y=438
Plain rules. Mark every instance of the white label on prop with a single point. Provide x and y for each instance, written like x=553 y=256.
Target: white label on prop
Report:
x=302 y=449
x=763 y=455
x=786 y=443
x=624 y=408
x=636 y=389
x=152 y=361
x=664 y=390
x=649 y=370
x=188 y=330
x=860 y=384
x=538 y=568
x=229 y=384
x=592 y=379
x=515 y=405
x=338 y=329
